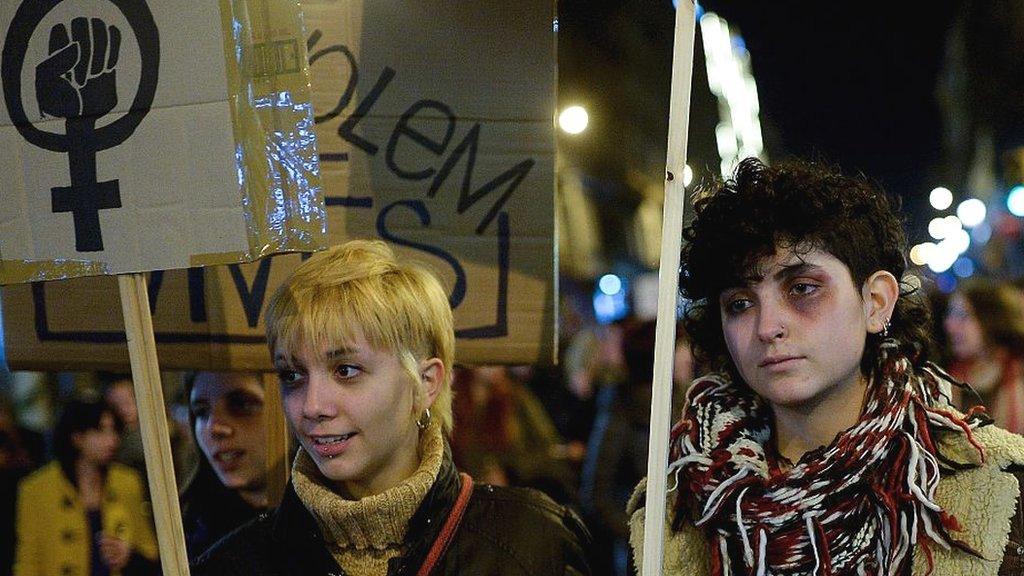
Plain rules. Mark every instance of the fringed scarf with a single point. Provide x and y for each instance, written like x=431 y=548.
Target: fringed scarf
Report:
x=856 y=507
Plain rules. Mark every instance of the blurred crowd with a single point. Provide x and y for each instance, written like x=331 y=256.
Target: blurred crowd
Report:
x=72 y=468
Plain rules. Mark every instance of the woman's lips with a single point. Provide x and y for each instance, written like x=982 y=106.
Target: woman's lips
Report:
x=779 y=362
x=228 y=460
x=329 y=446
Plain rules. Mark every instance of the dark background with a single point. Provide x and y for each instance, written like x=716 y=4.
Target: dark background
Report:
x=899 y=91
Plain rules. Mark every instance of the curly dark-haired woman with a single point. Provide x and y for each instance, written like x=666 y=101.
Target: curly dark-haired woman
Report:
x=824 y=442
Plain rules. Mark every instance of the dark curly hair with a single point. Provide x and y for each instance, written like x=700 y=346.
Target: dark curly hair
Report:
x=804 y=206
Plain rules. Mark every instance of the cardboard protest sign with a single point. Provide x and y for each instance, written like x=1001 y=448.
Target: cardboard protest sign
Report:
x=140 y=136
x=435 y=128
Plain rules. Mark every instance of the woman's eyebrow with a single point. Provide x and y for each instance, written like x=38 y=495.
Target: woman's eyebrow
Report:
x=343 y=351
x=795 y=269
x=784 y=271
x=281 y=362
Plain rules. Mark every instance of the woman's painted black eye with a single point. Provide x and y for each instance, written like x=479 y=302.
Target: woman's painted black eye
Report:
x=804 y=288
x=288 y=378
x=241 y=403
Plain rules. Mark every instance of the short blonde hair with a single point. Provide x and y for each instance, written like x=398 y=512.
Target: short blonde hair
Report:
x=398 y=306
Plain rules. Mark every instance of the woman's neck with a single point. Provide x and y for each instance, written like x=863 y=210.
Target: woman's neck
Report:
x=806 y=427
x=87 y=471
x=89 y=479
x=257 y=497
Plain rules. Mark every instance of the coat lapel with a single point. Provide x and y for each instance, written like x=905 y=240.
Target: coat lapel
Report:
x=982 y=499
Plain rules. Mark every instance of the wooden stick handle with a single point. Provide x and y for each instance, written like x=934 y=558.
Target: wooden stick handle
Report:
x=668 y=290
x=138 y=324
x=278 y=465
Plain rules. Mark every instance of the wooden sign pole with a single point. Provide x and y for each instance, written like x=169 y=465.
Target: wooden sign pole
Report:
x=138 y=324
x=668 y=290
x=278 y=465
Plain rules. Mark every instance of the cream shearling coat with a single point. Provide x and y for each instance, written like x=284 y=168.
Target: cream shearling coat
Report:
x=983 y=499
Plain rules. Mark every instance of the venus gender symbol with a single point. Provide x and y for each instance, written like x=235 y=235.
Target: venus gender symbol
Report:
x=77 y=81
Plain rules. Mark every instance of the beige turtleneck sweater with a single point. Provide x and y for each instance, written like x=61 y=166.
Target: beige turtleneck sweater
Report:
x=363 y=535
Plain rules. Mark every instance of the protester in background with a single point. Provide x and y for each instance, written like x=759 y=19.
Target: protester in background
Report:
x=618 y=458
x=229 y=485
x=31 y=401
x=683 y=367
x=483 y=441
x=119 y=391
x=15 y=464
x=84 y=513
x=593 y=368
x=364 y=345
x=503 y=435
x=823 y=443
x=985 y=327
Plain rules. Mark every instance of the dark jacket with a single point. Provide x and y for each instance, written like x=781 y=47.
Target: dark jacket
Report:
x=506 y=531
x=209 y=511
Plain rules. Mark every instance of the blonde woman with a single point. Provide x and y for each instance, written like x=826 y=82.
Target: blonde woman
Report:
x=364 y=346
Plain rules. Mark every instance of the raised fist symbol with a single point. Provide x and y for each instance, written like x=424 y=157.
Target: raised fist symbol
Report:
x=78 y=78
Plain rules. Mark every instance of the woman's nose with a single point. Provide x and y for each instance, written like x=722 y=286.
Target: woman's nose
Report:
x=771 y=323
x=316 y=404
x=219 y=426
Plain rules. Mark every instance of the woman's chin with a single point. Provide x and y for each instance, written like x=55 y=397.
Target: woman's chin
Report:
x=234 y=481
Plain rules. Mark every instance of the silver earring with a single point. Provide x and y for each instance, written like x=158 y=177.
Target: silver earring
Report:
x=424 y=420
x=885 y=328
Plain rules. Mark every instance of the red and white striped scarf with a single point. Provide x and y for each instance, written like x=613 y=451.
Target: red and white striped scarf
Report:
x=855 y=507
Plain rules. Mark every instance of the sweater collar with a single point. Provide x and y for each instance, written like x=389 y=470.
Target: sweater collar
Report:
x=380 y=521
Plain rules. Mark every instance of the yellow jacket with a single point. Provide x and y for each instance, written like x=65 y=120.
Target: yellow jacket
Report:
x=52 y=528
x=983 y=499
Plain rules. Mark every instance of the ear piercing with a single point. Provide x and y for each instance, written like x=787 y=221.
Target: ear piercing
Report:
x=424 y=420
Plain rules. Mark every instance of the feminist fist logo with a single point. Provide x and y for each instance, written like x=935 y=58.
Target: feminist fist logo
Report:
x=77 y=81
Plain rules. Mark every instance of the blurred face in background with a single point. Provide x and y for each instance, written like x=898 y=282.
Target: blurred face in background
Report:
x=122 y=397
x=966 y=340
x=230 y=427
x=682 y=364
x=97 y=446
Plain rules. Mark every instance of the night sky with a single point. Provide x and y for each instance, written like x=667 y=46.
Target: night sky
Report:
x=854 y=83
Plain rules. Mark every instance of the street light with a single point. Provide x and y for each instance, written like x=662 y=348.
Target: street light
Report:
x=971 y=212
x=573 y=120
x=940 y=198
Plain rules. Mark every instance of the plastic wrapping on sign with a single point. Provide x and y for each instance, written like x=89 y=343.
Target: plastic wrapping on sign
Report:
x=278 y=166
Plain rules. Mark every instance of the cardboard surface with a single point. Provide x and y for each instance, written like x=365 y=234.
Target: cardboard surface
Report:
x=137 y=136
x=435 y=128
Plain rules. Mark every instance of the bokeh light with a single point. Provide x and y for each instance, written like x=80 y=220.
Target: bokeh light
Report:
x=940 y=198
x=573 y=120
